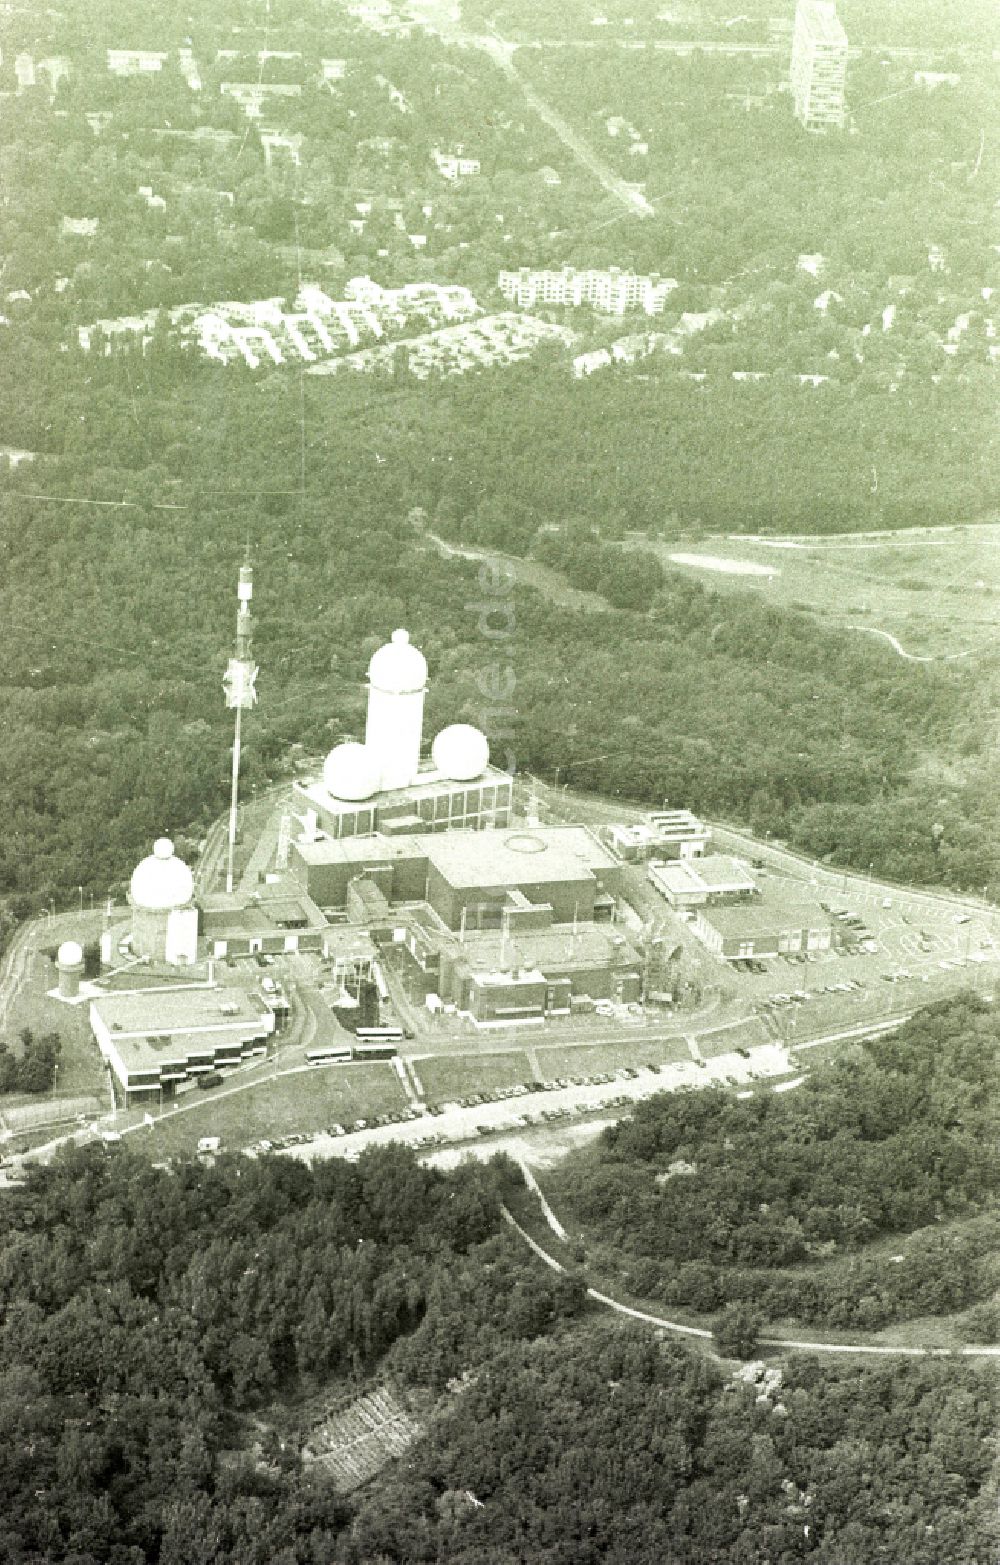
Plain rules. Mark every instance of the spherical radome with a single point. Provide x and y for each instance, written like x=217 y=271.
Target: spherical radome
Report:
x=70 y=954
x=398 y=668
x=162 y=881
x=350 y=772
x=461 y=752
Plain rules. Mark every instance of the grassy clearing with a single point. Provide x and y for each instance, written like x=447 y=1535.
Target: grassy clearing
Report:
x=742 y=1035
x=937 y=592
x=598 y=1059
x=81 y=1070
x=445 y=1079
x=307 y=1100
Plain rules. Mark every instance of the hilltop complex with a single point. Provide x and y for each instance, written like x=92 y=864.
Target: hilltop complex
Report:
x=393 y=883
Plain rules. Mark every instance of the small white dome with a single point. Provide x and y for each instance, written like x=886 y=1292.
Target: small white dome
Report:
x=70 y=954
x=461 y=752
x=162 y=881
x=350 y=772
x=398 y=668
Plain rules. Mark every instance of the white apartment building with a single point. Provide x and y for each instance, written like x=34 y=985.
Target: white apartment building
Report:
x=133 y=62
x=455 y=165
x=613 y=291
x=819 y=65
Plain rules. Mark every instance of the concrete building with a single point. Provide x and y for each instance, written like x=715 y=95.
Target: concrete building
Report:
x=135 y=62
x=455 y=165
x=611 y=291
x=702 y=882
x=819 y=65
x=470 y=877
x=765 y=927
x=467 y=877
x=275 y=920
x=153 y=1039
x=528 y=973
x=326 y=866
x=661 y=834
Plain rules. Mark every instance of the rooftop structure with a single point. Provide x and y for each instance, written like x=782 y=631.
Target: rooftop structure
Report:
x=711 y=879
x=161 y=881
x=153 y=1039
x=664 y=834
x=819 y=65
x=779 y=922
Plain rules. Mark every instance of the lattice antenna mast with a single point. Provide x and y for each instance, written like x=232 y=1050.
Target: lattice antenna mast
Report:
x=240 y=688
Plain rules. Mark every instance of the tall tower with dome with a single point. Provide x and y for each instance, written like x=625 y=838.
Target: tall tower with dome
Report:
x=383 y=785
x=164 y=918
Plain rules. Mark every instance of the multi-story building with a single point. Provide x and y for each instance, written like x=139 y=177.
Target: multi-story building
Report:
x=611 y=291
x=455 y=165
x=662 y=834
x=135 y=62
x=153 y=1039
x=819 y=65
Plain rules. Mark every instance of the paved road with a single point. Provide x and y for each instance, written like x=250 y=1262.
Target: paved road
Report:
x=501 y=51
x=911 y=657
x=882 y=1350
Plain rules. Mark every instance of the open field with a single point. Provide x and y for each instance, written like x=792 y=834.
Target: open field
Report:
x=445 y=1079
x=588 y=1060
x=937 y=590
x=301 y=1101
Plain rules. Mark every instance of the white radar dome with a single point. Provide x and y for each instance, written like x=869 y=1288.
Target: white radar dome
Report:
x=162 y=881
x=461 y=752
x=70 y=954
x=349 y=772
x=398 y=668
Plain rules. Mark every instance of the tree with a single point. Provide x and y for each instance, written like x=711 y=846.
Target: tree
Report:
x=736 y=1332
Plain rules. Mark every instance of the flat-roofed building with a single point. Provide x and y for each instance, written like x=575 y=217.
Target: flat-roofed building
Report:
x=430 y=803
x=470 y=875
x=704 y=881
x=661 y=834
x=497 y=977
x=152 y=1039
x=770 y=926
x=819 y=65
x=274 y=920
x=326 y=866
x=135 y=62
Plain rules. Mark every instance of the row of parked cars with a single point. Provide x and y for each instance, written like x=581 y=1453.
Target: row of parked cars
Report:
x=797 y=996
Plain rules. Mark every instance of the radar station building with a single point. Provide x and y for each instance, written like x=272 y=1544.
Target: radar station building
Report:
x=164 y=917
x=383 y=786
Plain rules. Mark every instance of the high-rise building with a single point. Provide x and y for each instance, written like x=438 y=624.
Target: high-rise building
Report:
x=819 y=65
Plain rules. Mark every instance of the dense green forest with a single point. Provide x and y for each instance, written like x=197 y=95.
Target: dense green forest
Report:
x=154 y=1322
x=891 y=1139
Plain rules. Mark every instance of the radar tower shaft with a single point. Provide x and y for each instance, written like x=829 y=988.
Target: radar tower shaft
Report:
x=239 y=683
